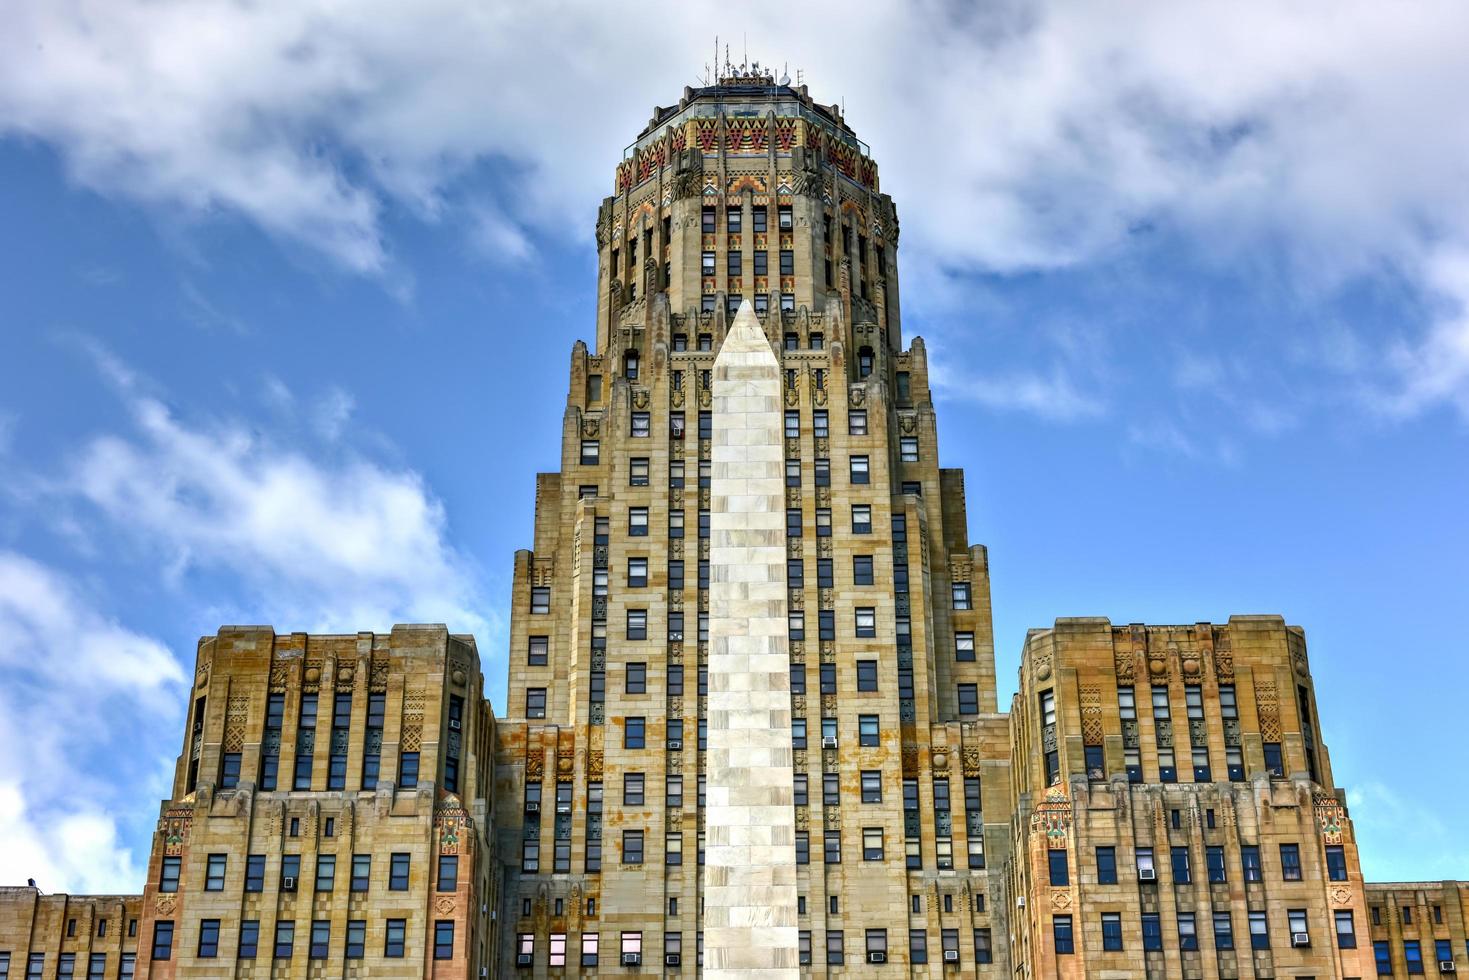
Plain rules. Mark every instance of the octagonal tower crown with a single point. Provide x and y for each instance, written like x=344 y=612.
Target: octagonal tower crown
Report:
x=746 y=189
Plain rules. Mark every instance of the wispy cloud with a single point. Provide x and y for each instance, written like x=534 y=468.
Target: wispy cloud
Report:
x=1412 y=842
x=1054 y=396
x=335 y=541
x=62 y=783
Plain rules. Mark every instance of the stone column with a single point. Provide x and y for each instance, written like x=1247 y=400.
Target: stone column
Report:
x=750 y=926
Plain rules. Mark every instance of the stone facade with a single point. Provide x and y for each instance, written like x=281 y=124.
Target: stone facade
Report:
x=753 y=721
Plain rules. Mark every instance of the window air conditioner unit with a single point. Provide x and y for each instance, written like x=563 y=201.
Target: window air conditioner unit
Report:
x=1147 y=874
x=828 y=741
x=1020 y=902
x=675 y=744
x=1445 y=966
x=1096 y=774
x=563 y=807
x=288 y=883
x=632 y=959
x=524 y=959
x=951 y=956
x=877 y=956
x=454 y=724
x=1300 y=939
x=532 y=806
x=672 y=959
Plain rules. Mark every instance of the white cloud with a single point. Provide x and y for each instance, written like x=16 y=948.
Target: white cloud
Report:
x=334 y=544
x=77 y=686
x=1018 y=136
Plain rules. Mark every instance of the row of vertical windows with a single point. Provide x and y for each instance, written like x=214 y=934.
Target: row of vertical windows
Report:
x=1063 y=937
x=96 y=966
x=290 y=872
x=283 y=947
x=1180 y=862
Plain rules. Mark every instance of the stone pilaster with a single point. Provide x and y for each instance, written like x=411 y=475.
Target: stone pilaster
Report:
x=750 y=861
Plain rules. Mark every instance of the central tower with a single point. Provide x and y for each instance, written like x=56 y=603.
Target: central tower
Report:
x=752 y=722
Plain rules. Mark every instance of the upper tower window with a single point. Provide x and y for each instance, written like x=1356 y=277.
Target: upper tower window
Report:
x=706 y=264
x=708 y=224
x=761 y=217
x=630 y=365
x=864 y=362
x=734 y=220
x=787 y=220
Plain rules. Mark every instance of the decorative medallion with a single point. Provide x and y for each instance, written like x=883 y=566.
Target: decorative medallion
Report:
x=444 y=904
x=1053 y=818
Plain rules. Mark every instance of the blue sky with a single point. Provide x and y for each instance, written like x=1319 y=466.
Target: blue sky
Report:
x=287 y=298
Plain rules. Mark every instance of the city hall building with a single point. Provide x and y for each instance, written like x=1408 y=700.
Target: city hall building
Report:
x=752 y=727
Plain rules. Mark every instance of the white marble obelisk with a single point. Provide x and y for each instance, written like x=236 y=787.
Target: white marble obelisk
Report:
x=749 y=855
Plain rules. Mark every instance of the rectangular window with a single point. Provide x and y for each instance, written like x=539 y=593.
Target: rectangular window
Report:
x=356 y=939
x=733 y=263
x=1259 y=931
x=398 y=872
x=637 y=624
x=1059 y=871
x=1290 y=862
x=208 y=939
x=395 y=938
x=1215 y=857
x=866 y=620
x=1181 y=874
x=637 y=679
x=538 y=651
x=908 y=449
x=285 y=940
x=632 y=847
x=1111 y=931
x=535 y=703
x=872 y=786
x=1346 y=930
x=964 y=646
x=866 y=675
x=444 y=939
x=214 y=873
x=1061 y=930
x=254 y=872
x=968 y=699
x=637 y=522
x=1188 y=933
x=326 y=872
x=859 y=471
x=1336 y=863
x=589 y=949
x=832 y=847
x=321 y=939
x=1106 y=866
x=249 y=939
x=540 y=600
x=857 y=422
x=862 y=570
x=448 y=873
x=168 y=875
x=835 y=954
x=1413 y=956
x=869 y=732
x=361 y=872
x=1249 y=857
x=820 y=427
x=1152 y=931
x=633 y=733
x=872 y=849
x=1223 y=931
x=983 y=947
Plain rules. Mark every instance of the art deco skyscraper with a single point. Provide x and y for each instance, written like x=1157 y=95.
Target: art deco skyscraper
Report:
x=750 y=192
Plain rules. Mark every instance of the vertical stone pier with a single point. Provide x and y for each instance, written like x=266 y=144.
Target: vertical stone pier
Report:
x=750 y=926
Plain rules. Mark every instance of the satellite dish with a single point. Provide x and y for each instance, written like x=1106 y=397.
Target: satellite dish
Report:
x=785 y=79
